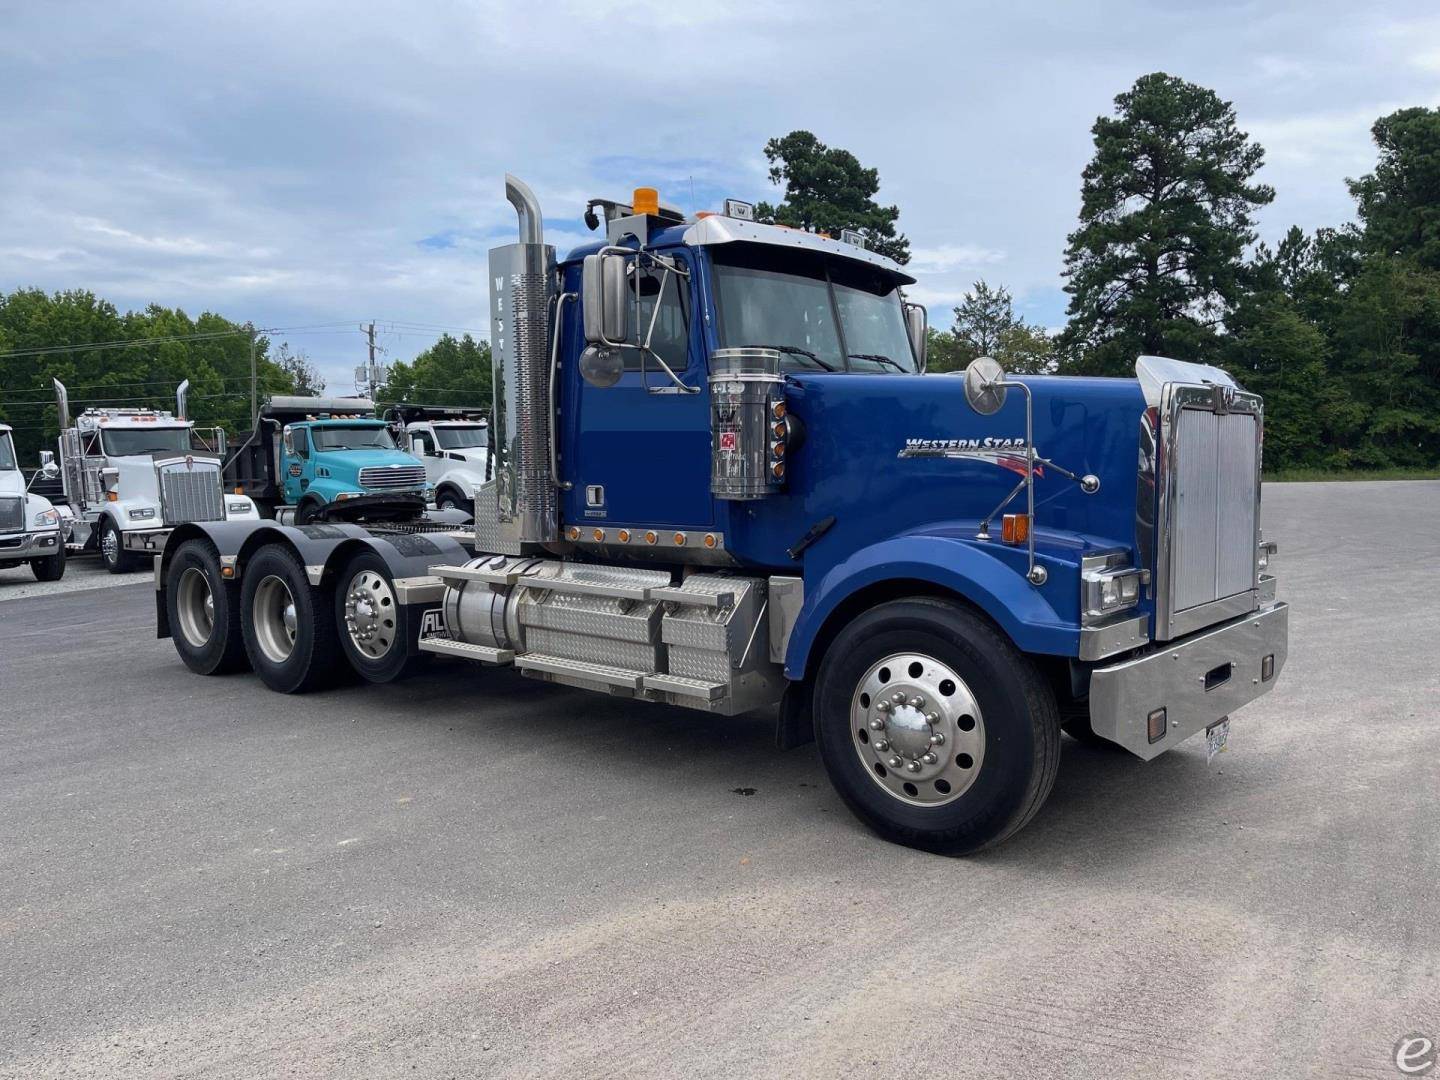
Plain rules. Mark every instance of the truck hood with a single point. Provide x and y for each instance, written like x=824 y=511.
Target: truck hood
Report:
x=477 y=454
x=12 y=482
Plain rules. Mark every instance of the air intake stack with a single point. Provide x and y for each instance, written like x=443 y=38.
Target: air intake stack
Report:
x=517 y=512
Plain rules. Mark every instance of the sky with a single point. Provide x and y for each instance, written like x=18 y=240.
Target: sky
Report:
x=312 y=166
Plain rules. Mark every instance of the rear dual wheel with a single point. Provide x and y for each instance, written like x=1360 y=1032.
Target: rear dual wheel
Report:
x=935 y=730
x=286 y=623
x=204 y=611
x=372 y=632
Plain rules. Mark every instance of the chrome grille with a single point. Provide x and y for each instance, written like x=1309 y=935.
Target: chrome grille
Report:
x=191 y=494
x=12 y=515
x=391 y=477
x=1206 y=543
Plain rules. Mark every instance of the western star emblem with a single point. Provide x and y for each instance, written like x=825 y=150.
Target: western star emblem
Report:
x=189 y=462
x=1007 y=453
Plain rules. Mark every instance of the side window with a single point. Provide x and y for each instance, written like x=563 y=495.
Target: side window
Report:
x=671 y=337
x=301 y=440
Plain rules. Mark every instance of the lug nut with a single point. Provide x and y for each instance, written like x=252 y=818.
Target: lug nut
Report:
x=928 y=758
x=881 y=745
x=899 y=697
x=882 y=706
x=932 y=717
x=894 y=763
x=937 y=739
x=917 y=702
x=913 y=766
x=877 y=725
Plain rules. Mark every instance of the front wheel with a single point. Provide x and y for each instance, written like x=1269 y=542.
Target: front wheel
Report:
x=934 y=729
x=50 y=568
x=112 y=551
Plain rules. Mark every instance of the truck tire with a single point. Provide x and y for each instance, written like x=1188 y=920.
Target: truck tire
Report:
x=1075 y=722
x=287 y=623
x=112 y=550
x=50 y=568
x=934 y=729
x=450 y=499
x=204 y=611
x=306 y=510
x=368 y=621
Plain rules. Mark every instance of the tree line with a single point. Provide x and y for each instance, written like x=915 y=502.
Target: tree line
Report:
x=1339 y=328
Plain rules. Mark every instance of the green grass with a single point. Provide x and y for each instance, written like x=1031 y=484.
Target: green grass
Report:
x=1293 y=475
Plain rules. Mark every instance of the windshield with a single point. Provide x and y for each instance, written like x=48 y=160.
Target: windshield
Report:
x=127 y=442
x=370 y=437
x=7 y=452
x=462 y=438
x=823 y=313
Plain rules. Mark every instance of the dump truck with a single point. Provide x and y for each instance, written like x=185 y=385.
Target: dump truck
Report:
x=313 y=459
x=130 y=475
x=722 y=481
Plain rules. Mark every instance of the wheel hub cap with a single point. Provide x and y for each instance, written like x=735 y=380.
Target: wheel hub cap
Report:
x=370 y=613
x=917 y=729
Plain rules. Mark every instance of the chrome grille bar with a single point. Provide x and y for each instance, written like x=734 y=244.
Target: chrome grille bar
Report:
x=190 y=493
x=12 y=515
x=387 y=477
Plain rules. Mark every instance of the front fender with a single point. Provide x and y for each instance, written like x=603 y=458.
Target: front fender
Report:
x=1024 y=611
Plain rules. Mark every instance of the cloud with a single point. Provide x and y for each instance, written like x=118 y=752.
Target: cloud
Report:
x=321 y=163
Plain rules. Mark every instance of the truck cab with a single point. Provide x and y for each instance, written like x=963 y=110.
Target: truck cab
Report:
x=453 y=443
x=720 y=479
x=346 y=465
x=30 y=527
x=327 y=459
x=130 y=475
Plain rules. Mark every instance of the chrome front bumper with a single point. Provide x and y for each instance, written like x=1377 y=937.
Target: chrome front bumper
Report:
x=1197 y=680
x=30 y=544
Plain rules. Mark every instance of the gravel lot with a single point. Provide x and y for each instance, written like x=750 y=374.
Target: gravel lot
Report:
x=475 y=874
x=81 y=572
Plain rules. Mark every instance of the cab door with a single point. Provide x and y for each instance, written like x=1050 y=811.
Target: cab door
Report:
x=295 y=463
x=639 y=452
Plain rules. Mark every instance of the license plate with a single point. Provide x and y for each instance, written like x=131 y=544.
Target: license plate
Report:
x=1216 y=736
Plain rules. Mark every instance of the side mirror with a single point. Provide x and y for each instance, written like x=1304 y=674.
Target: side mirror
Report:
x=48 y=469
x=287 y=441
x=605 y=303
x=917 y=322
x=110 y=478
x=985 y=388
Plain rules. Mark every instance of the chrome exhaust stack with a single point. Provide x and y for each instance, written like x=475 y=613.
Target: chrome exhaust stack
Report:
x=62 y=403
x=182 y=397
x=517 y=513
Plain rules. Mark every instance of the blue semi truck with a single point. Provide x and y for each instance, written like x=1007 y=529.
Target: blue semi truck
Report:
x=722 y=480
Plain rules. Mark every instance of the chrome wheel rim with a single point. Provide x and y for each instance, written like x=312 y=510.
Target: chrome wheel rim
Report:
x=109 y=545
x=370 y=614
x=917 y=729
x=275 y=622
x=195 y=604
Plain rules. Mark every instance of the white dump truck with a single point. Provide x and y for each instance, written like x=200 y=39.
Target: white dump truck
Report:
x=30 y=527
x=129 y=476
x=454 y=444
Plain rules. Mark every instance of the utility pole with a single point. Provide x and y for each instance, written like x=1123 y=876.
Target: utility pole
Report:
x=254 y=384
x=369 y=377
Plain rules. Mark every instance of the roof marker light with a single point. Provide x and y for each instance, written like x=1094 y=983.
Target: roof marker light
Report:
x=742 y=211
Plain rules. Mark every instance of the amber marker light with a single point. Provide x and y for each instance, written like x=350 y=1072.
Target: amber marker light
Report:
x=680 y=539
x=778 y=469
x=574 y=533
x=778 y=410
x=646 y=200
x=599 y=535
x=624 y=535
x=709 y=540
x=1015 y=528
x=650 y=538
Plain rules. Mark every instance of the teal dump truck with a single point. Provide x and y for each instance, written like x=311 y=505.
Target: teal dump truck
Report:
x=327 y=459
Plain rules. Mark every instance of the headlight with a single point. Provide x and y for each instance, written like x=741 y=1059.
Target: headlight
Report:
x=1108 y=584
x=238 y=508
x=47 y=519
x=142 y=513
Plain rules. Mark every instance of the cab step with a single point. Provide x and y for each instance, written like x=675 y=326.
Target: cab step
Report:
x=449 y=647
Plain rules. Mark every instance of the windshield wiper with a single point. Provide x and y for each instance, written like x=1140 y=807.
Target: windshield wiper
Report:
x=877 y=358
x=795 y=350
